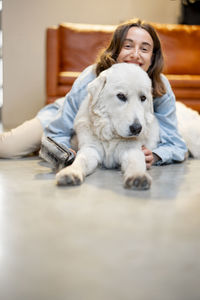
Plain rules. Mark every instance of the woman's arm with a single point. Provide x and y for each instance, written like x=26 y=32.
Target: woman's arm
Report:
x=172 y=147
x=60 y=128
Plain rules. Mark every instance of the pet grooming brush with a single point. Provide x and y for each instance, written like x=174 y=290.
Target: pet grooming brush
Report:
x=57 y=155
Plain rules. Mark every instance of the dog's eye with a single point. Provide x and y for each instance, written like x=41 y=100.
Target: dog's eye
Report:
x=143 y=98
x=122 y=97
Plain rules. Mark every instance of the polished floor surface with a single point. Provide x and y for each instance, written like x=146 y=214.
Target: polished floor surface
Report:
x=99 y=241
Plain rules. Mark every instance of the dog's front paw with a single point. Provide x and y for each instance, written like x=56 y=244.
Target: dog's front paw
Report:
x=69 y=176
x=140 y=182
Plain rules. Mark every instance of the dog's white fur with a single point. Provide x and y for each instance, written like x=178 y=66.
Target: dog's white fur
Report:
x=189 y=128
x=119 y=104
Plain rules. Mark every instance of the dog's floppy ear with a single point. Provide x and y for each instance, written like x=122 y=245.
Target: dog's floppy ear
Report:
x=96 y=86
x=150 y=111
x=151 y=103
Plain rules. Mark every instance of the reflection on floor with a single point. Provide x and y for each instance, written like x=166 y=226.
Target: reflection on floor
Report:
x=99 y=241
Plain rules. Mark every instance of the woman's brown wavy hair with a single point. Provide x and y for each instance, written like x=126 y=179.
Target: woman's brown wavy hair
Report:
x=109 y=55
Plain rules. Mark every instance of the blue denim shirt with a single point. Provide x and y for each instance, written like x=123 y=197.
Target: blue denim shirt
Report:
x=58 y=118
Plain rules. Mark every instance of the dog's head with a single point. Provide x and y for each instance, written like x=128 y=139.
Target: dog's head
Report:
x=121 y=102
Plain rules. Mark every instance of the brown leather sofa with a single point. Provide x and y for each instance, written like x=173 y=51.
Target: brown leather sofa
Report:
x=72 y=47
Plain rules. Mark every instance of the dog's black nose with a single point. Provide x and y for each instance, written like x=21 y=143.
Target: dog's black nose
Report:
x=135 y=128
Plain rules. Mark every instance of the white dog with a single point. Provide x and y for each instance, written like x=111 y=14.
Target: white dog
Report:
x=112 y=124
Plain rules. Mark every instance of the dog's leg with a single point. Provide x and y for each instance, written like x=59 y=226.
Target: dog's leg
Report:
x=134 y=168
x=84 y=164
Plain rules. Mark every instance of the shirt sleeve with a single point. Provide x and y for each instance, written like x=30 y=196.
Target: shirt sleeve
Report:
x=61 y=127
x=171 y=147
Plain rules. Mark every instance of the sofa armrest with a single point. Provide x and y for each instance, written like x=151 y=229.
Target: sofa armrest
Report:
x=52 y=61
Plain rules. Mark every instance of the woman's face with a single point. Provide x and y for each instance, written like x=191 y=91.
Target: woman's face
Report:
x=137 y=48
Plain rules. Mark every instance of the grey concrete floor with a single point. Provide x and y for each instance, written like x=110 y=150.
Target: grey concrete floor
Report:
x=99 y=241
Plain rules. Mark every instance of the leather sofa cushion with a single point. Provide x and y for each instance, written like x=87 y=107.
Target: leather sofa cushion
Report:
x=186 y=81
x=67 y=77
x=181 y=48
x=78 y=42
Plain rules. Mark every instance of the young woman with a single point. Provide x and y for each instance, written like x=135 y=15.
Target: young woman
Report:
x=133 y=42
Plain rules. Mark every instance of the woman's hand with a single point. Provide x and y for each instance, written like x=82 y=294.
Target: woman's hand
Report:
x=149 y=158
